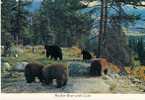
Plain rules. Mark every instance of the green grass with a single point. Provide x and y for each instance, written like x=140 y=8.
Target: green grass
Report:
x=38 y=57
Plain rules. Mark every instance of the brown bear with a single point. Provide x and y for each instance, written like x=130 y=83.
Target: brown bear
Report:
x=33 y=70
x=55 y=71
x=99 y=66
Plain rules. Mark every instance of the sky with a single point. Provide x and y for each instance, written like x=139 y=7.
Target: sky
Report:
x=129 y=9
x=34 y=6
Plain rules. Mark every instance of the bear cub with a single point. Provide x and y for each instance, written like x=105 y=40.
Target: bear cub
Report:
x=33 y=70
x=55 y=71
x=86 y=55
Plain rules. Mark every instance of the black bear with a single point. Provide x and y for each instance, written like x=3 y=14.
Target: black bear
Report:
x=99 y=66
x=33 y=70
x=54 y=52
x=55 y=71
x=86 y=55
x=95 y=69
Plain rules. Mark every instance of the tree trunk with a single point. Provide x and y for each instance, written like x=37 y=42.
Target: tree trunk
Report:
x=103 y=26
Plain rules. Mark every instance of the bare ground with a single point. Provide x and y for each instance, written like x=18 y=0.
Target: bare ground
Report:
x=15 y=83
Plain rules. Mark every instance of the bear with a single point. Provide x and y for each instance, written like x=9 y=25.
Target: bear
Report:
x=55 y=71
x=99 y=66
x=54 y=52
x=33 y=70
x=86 y=55
x=95 y=69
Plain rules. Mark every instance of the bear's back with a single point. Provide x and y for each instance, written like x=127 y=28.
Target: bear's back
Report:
x=34 y=68
x=54 y=71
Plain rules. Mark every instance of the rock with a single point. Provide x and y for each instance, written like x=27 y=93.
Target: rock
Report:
x=114 y=75
x=6 y=66
x=20 y=66
x=2 y=46
x=106 y=77
x=135 y=80
x=28 y=47
x=78 y=69
x=110 y=81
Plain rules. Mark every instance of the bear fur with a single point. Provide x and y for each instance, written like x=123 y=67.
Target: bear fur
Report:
x=99 y=66
x=55 y=71
x=86 y=55
x=33 y=70
x=54 y=52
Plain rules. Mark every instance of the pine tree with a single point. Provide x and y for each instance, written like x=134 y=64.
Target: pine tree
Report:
x=14 y=20
x=65 y=21
x=141 y=51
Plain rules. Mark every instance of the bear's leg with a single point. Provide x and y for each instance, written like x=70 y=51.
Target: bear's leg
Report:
x=60 y=56
x=84 y=57
x=64 y=78
x=33 y=78
x=94 y=71
x=49 y=81
x=105 y=71
x=59 y=83
x=41 y=79
x=55 y=57
x=65 y=82
x=47 y=54
x=98 y=73
x=29 y=79
x=51 y=57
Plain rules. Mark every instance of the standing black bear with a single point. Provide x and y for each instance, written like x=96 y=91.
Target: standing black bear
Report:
x=86 y=55
x=55 y=71
x=54 y=52
x=33 y=70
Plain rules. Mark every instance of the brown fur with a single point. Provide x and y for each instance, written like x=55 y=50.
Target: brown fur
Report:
x=99 y=66
x=55 y=71
x=33 y=70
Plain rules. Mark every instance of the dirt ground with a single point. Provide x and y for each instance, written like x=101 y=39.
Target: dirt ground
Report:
x=15 y=83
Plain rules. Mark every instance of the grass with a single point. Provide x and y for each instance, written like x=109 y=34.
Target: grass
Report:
x=69 y=54
x=39 y=57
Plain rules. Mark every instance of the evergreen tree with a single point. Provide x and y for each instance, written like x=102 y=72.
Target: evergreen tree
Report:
x=6 y=17
x=141 y=51
x=14 y=20
x=65 y=21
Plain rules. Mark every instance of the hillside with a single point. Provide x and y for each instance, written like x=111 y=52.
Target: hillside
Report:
x=136 y=26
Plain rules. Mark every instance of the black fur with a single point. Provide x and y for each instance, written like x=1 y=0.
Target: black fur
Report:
x=95 y=69
x=86 y=55
x=54 y=52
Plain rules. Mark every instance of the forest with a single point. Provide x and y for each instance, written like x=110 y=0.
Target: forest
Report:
x=34 y=30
